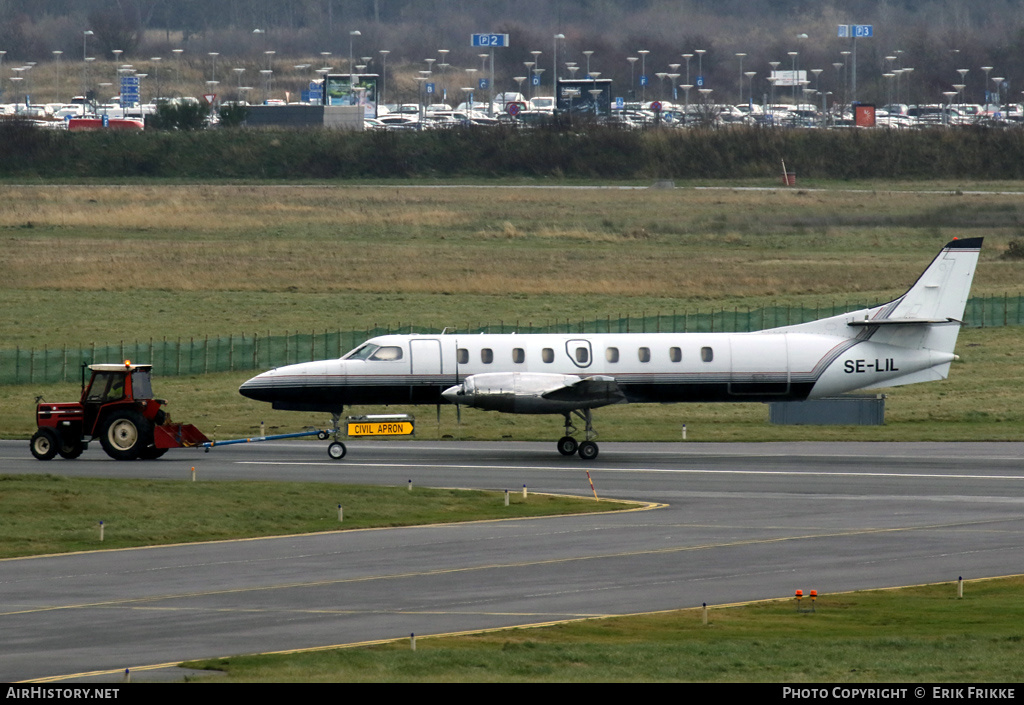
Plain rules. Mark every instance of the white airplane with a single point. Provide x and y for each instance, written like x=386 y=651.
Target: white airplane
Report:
x=908 y=340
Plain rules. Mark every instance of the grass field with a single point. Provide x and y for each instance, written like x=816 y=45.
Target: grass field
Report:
x=921 y=634
x=101 y=263
x=83 y=264
x=46 y=514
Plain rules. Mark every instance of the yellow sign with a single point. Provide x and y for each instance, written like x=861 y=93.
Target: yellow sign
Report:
x=379 y=428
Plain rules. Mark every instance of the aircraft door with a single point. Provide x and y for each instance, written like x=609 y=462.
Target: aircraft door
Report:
x=426 y=357
x=759 y=365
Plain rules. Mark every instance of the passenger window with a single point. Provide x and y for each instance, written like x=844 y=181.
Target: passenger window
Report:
x=547 y=355
x=582 y=355
x=486 y=356
x=387 y=352
x=462 y=356
x=644 y=354
x=675 y=354
x=611 y=354
x=707 y=354
x=518 y=355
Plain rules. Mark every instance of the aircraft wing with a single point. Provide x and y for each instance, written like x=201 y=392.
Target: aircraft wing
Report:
x=535 y=392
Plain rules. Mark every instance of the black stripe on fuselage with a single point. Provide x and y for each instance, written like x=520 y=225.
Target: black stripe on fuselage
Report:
x=332 y=399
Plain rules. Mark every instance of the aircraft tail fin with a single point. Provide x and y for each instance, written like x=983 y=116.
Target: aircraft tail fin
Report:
x=928 y=315
x=940 y=293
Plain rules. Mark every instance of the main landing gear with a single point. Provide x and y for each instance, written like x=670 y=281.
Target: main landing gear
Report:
x=567 y=445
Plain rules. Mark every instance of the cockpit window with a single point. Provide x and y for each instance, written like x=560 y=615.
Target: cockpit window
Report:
x=361 y=353
x=387 y=352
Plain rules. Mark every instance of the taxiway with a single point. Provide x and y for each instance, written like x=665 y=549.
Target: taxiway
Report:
x=735 y=522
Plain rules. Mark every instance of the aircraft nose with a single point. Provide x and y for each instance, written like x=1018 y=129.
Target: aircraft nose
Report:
x=258 y=388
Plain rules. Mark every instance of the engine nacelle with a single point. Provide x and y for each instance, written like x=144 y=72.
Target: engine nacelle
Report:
x=514 y=392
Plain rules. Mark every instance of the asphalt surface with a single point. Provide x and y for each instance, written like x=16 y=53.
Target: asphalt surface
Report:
x=733 y=523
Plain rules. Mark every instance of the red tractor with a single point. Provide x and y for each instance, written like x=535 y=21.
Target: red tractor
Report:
x=118 y=408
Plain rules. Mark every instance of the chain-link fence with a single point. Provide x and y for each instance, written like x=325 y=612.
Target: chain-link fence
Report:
x=191 y=356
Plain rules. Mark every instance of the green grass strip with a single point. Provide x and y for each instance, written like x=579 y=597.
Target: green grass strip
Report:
x=919 y=634
x=44 y=514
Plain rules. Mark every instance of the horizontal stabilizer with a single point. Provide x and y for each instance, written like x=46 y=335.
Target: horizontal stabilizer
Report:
x=906 y=322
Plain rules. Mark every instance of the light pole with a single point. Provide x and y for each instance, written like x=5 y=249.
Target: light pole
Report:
x=772 y=79
x=984 y=88
x=963 y=79
x=472 y=82
x=998 y=81
x=554 y=66
x=519 y=84
x=383 y=73
x=213 y=56
x=632 y=75
x=258 y=32
x=177 y=64
x=740 y=55
x=156 y=69
x=238 y=72
x=56 y=58
x=700 y=64
x=85 y=43
x=265 y=80
x=351 y=40
x=949 y=97
x=750 y=91
x=443 y=65
x=686 y=110
x=846 y=77
x=643 y=72
x=687 y=57
x=587 y=54
x=793 y=55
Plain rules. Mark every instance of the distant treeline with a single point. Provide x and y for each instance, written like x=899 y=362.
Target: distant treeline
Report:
x=558 y=151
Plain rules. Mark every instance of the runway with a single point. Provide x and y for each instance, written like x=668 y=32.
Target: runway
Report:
x=739 y=522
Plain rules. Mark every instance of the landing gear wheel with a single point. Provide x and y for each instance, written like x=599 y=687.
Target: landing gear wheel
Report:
x=44 y=444
x=336 y=450
x=69 y=450
x=125 y=435
x=567 y=445
x=588 y=450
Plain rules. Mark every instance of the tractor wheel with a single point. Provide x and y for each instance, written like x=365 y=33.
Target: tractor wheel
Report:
x=151 y=452
x=44 y=444
x=125 y=434
x=69 y=450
